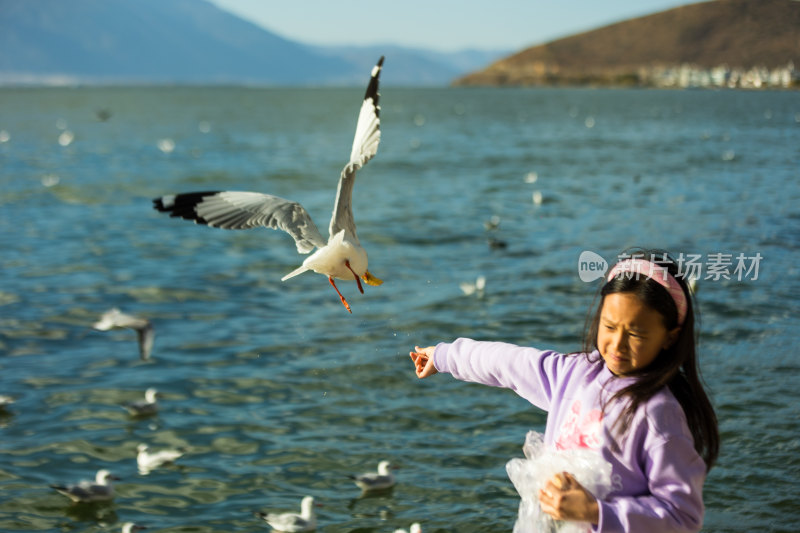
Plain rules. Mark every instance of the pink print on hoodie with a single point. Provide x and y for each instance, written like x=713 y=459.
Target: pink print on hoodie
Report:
x=580 y=432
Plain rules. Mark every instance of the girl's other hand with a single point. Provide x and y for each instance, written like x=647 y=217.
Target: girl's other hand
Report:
x=564 y=498
x=423 y=361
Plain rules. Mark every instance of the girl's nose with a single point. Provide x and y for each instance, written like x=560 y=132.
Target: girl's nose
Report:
x=619 y=342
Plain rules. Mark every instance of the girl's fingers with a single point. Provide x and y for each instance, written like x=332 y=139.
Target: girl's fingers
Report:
x=419 y=361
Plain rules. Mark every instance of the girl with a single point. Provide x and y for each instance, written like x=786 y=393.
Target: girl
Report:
x=634 y=395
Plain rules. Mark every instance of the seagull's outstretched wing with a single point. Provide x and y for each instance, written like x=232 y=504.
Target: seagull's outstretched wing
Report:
x=74 y=492
x=365 y=146
x=123 y=320
x=145 y=335
x=244 y=210
x=85 y=491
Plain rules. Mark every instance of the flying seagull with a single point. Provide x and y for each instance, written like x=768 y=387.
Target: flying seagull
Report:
x=114 y=318
x=342 y=256
x=292 y=522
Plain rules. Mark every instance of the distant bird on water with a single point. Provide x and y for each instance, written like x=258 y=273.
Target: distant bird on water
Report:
x=114 y=318
x=103 y=114
x=99 y=490
x=342 y=256
x=147 y=461
x=146 y=407
x=5 y=401
x=292 y=522
x=471 y=288
x=383 y=479
x=131 y=527
x=415 y=528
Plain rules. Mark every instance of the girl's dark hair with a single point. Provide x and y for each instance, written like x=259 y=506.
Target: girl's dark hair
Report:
x=675 y=367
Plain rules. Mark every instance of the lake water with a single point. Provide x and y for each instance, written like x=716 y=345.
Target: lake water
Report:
x=275 y=390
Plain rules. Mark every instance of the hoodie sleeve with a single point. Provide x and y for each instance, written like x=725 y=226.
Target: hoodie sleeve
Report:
x=675 y=475
x=531 y=373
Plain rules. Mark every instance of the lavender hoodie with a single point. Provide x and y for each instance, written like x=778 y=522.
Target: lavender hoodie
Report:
x=657 y=474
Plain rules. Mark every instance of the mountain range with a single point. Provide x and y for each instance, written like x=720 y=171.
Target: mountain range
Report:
x=190 y=42
x=195 y=42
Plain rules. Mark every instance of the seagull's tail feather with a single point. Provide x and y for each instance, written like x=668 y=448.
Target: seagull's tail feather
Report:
x=295 y=272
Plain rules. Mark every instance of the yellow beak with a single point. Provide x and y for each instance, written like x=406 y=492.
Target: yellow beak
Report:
x=370 y=279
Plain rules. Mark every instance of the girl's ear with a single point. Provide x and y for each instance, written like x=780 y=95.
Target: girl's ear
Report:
x=672 y=336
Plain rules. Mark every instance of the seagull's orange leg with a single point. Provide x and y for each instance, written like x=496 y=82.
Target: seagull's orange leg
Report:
x=346 y=305
x=358 y=281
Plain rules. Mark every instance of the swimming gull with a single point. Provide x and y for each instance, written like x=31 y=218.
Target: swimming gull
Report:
x=150 y=461
x=492 y=224
x=415 y=528
x=114 y=318
x=292 y=522
x=98 y=490
x=131 y=527
x=342 y=256
x=374 y=481
x=145 y=407
x=5 y=401
x=471 y=288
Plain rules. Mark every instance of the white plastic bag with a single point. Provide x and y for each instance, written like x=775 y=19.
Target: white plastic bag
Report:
x=529 y=475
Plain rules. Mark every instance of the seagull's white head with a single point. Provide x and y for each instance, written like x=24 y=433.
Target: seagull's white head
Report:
x=104 y=477
x=384 y=467
x=150 y=395
x=307 y=507
x=130 y=527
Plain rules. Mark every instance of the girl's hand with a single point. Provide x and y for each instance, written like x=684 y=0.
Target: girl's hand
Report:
x=564 y=498
x=423 y=361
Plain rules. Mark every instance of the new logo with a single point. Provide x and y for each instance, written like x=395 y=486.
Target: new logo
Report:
x=591 y=266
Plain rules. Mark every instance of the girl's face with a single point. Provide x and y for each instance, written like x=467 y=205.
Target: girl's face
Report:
x=630 y=335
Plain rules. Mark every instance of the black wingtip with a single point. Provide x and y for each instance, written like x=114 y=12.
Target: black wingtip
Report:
x=183 y=205
x=372 y=87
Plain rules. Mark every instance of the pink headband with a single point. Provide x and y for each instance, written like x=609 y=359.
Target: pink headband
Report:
x=658 y=274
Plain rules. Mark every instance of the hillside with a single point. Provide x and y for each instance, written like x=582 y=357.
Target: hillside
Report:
x=740 y=34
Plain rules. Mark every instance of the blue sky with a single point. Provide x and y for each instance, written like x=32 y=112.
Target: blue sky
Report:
x=444 y=25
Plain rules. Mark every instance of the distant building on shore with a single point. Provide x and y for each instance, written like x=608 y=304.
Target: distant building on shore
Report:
x=722 y=76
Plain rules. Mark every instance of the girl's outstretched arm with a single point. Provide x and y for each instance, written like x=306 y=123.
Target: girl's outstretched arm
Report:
x=423 y=361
